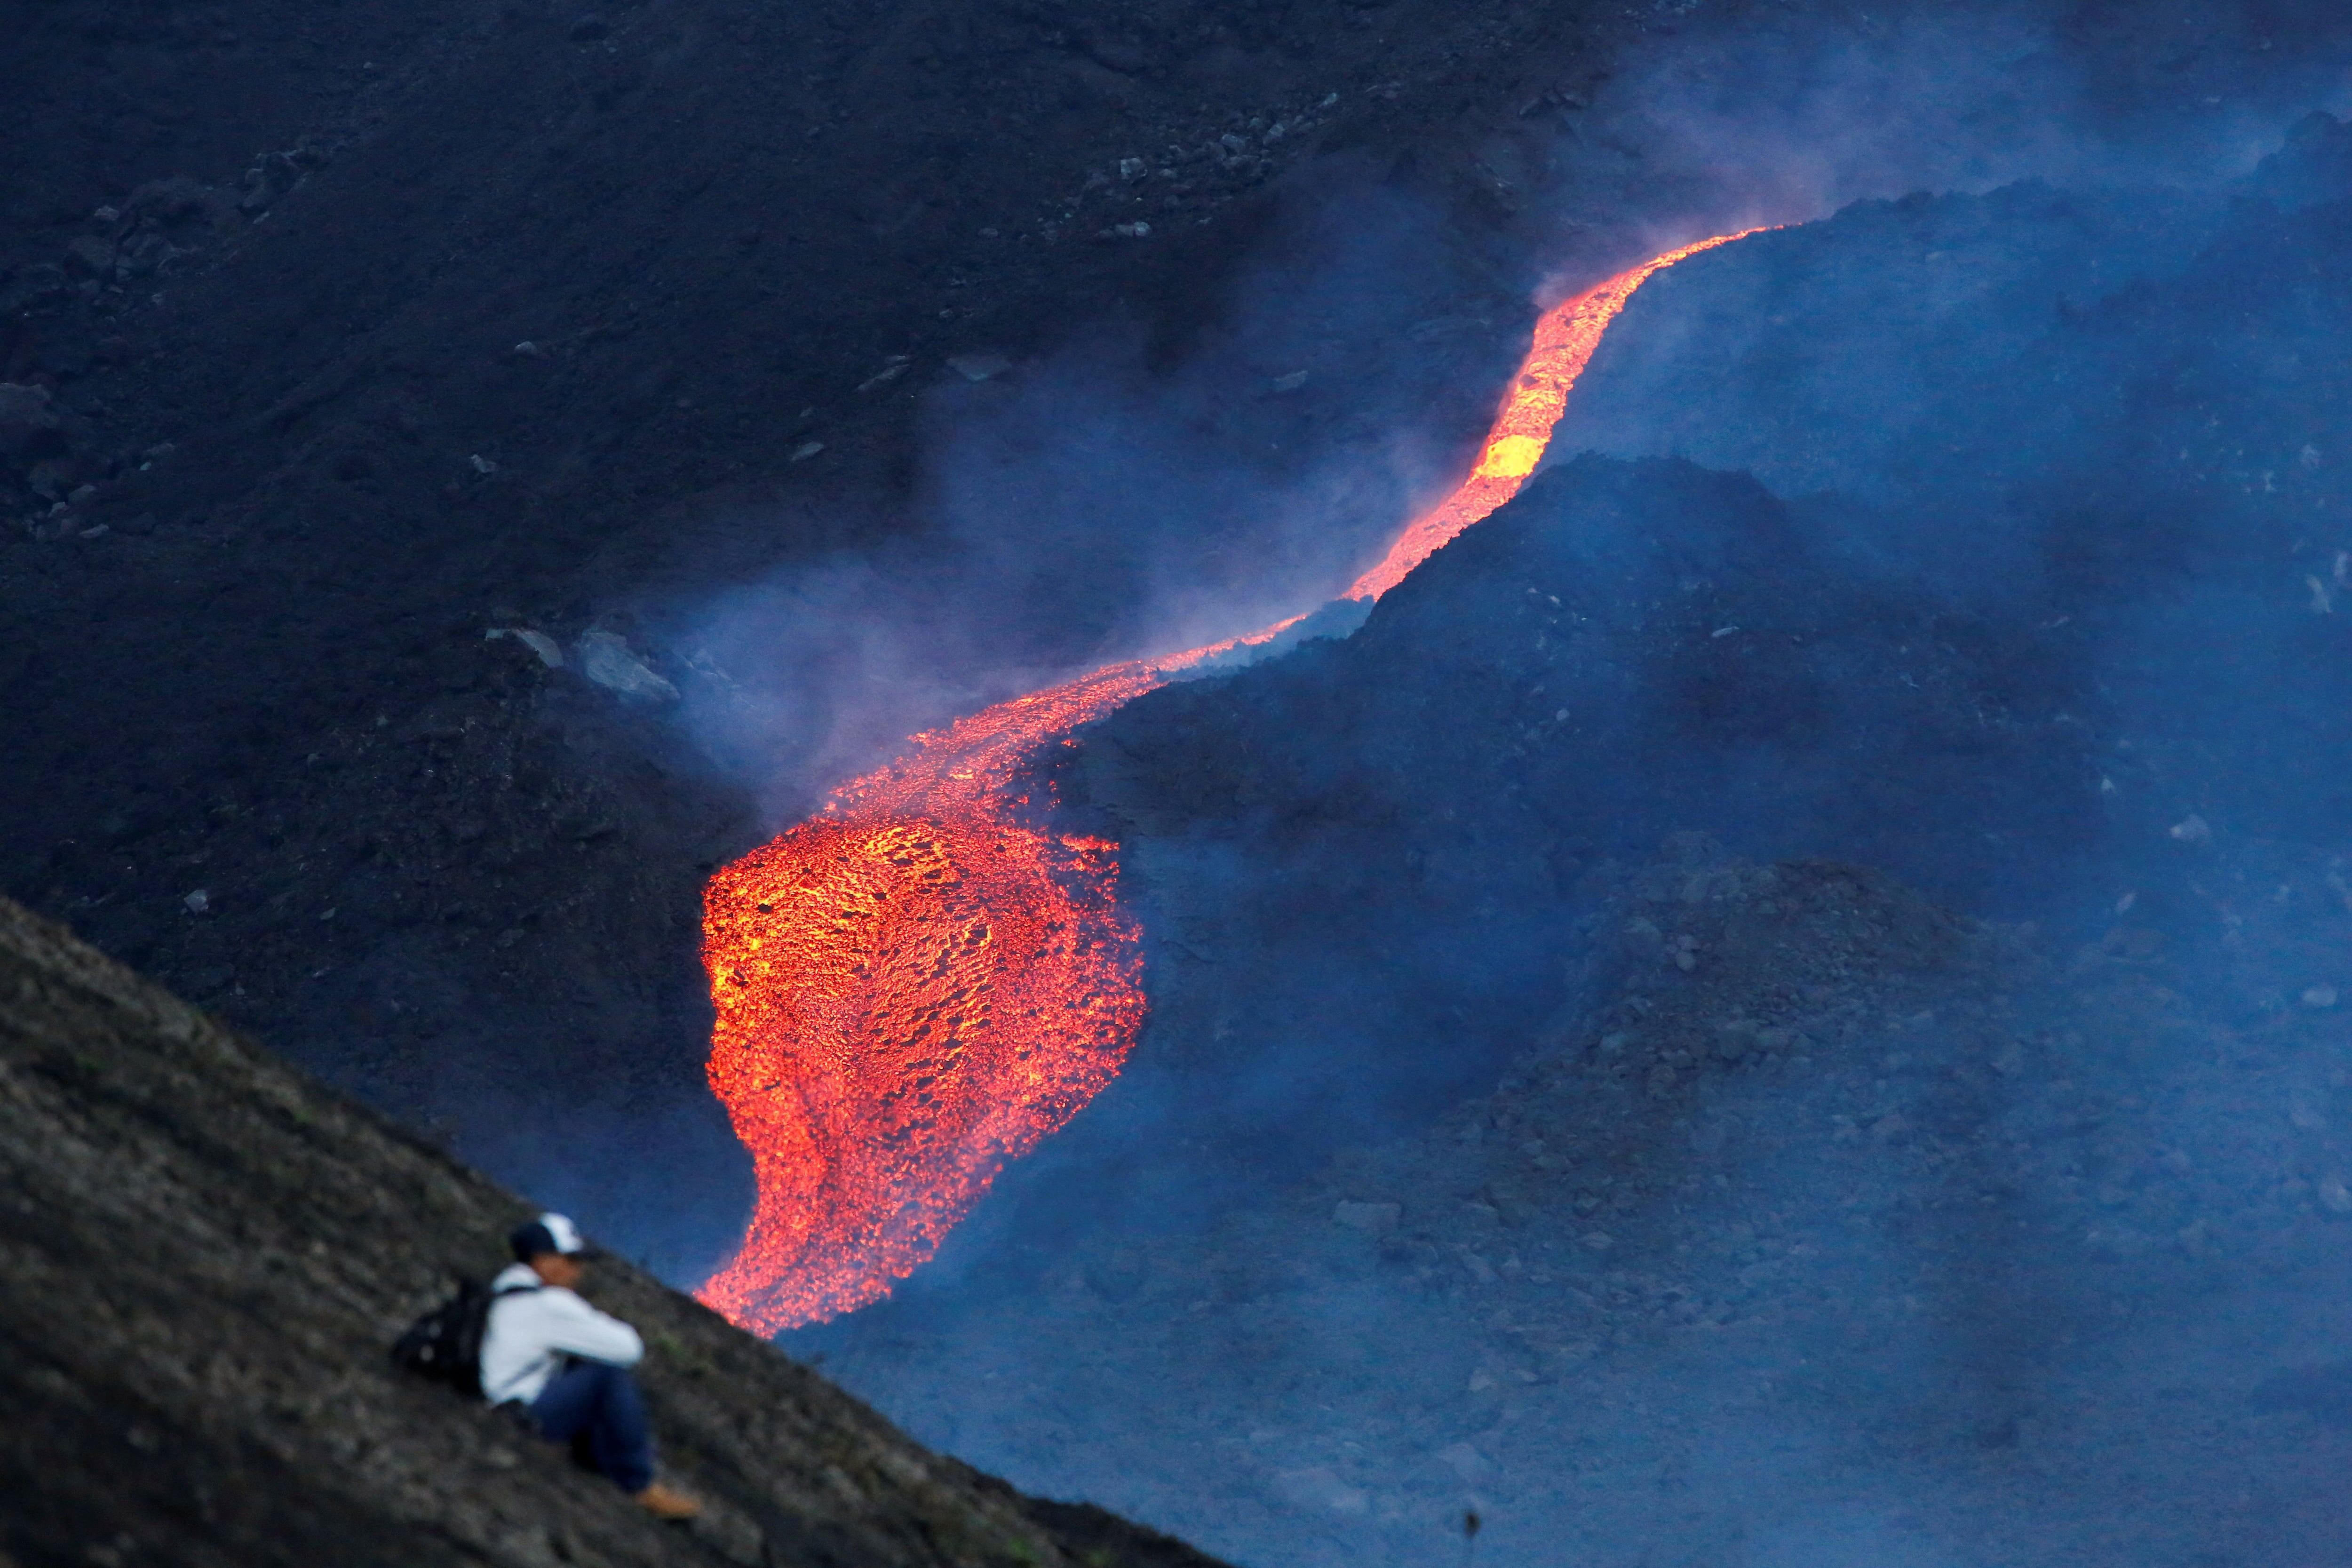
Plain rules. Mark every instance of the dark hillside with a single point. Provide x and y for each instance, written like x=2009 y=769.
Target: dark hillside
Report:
x=207 y=1254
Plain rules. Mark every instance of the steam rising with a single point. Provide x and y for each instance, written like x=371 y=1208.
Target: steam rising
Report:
x=1087 y=507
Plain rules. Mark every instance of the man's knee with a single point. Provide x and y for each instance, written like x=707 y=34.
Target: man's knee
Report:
x=592 y=1402
x=573 y=1397
x=601 y=1382
x=613 y=1392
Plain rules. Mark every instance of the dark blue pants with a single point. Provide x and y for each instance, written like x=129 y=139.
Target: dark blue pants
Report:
x=595 y=1408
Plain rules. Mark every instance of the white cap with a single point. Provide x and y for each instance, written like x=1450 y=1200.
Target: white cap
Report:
x=550 y=1232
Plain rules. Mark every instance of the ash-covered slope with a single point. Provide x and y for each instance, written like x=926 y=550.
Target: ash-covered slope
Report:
x=1838 y=1229
x=206 y=1257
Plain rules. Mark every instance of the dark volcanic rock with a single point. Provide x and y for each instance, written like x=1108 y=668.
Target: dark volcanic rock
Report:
x=25 y=416
x=207 y=1256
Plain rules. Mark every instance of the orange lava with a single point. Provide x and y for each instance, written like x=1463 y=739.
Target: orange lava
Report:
x=1565 y=338
x=924 y=981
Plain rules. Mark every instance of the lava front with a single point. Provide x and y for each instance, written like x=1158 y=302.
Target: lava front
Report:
x=924 y=981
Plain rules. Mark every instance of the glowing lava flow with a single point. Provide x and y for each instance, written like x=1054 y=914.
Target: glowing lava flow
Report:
x=924 y=981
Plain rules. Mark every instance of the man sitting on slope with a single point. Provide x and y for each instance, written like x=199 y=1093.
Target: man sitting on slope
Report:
x=566 y=1364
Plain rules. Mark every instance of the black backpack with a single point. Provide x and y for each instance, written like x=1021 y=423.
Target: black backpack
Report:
x=445 y=1344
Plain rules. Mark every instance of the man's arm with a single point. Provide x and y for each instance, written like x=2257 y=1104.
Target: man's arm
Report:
x=576 y=1328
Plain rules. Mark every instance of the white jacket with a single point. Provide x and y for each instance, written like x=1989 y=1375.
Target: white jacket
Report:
x=531 y=1331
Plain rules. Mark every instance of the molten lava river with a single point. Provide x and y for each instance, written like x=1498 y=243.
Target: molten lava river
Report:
x=923 y=981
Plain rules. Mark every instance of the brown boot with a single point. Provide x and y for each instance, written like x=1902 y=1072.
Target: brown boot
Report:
x=669 y=1507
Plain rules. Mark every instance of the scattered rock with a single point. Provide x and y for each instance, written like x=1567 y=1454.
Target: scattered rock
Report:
x=1119 y=1277
x=180 y=200
x=25 y=416
x=1376 y=1219
x=198 y=902
x=1317 y=1487
x=482 y=464
x=2319 y=997
x=31 y=285
x=606 y=659
x=1999 y=1434
x=273 y=175
x=892 y=369
x=2192 y=829
x=1472 y=1467
x=1291 y=383
x=2116 y=1241
x=90 y=256
x=805 y=451
x=550 y=652
x=2334 y=1196
x=1558 y=1359
x=978 y=367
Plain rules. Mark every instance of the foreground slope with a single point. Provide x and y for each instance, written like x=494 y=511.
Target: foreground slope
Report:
x=206 y=1257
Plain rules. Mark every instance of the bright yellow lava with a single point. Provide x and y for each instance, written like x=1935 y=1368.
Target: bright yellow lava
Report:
x=1511 y=458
